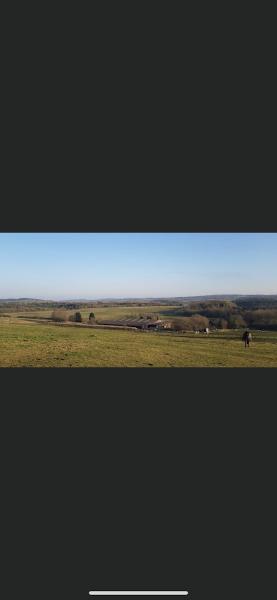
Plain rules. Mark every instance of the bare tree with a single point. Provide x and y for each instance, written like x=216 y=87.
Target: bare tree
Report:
x=222 y=324
x=60 y=314
x=194 y=323
x=180 y=324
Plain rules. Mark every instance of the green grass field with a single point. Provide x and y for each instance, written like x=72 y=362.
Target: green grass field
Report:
x=30 y=344
x=103 y=312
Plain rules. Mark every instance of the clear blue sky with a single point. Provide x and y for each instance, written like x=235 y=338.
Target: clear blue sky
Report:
x=102 y=265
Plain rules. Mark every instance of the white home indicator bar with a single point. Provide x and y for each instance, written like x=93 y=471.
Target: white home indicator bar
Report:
x=138 y=593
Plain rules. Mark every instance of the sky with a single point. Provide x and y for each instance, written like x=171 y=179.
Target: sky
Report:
x=117 y=265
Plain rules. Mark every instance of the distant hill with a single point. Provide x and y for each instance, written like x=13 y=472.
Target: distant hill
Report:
x=16 y=300
x=223 y=311
x=161 y=300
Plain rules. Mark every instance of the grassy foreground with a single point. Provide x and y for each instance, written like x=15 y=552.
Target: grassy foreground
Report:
x=30 y=344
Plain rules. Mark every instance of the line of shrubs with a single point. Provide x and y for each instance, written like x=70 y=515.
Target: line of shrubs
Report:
x=61 y=316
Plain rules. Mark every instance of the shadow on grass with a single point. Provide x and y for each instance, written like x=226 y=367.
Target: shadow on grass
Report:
x=33 y=318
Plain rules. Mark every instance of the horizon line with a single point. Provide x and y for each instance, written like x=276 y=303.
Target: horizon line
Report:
x=105 y=298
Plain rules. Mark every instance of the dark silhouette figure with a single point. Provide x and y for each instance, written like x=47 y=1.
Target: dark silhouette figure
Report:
x=247 y=337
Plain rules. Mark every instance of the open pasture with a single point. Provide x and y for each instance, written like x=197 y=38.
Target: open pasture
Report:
x=29 y=344
x=101 y=312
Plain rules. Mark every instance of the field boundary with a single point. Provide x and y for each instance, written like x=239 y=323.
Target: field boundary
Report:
x=71 y=324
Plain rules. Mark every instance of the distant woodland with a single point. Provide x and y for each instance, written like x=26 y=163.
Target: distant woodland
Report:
x=253 y=312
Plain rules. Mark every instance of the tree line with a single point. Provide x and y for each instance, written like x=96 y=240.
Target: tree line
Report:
x=61 y=316
x=226 y=315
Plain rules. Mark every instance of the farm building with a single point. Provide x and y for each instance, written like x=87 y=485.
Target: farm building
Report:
x=166 y=325
x=144 y=323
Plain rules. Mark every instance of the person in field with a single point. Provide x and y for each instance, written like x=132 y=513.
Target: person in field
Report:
x=247 y=337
